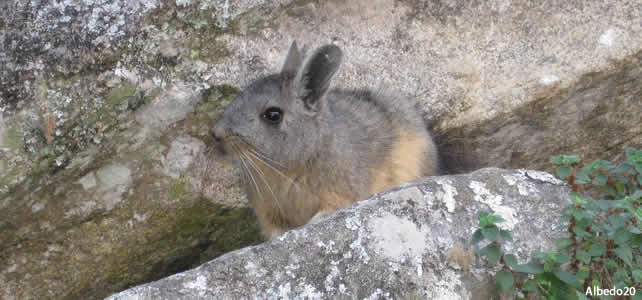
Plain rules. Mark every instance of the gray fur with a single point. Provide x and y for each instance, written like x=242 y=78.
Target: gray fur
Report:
x=339 y=137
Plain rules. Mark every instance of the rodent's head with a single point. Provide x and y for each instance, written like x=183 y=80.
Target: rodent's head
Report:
x=278 y=117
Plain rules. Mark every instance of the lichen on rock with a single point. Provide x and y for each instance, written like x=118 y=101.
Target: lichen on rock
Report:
x=398 y=238
x=106 y=180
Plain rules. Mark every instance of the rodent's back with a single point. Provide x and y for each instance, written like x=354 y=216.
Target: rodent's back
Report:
x=381 y=137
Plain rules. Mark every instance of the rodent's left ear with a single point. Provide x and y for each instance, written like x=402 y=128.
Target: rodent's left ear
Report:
x=293 y=61
x=313 y=80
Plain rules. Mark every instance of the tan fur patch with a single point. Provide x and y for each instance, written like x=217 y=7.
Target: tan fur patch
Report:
x=411 y=157
x=286 y=199
x=331 y=201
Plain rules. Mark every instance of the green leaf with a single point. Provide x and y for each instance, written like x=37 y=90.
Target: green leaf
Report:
x=510 y=260
x=625 y=254
x=617 y=220
x=580 y=231
x=637 y=275
x=582 y=274
x=611 y=263
x=539 y=254
x=495 y=219
x=557 y=159
x=567 y=277
x=504 y=280
x=601 y=179
x=619 y=187
x=576 y=198
x=620 y=277
x=505 y=235
x=564 y=172
x=563 y=243
x=560 y=258
x=530 y=268
x=625 y=167
x=580 y=295
x=583 y=256
x=529 y=285
x=601 y=164
x=582 y=178
x=493 y=253
x=597 y=250
x=585 y=173
x=611 y=192
x=624 y=203
x=579 y=214
x=633 y=154
x=477 y=237
x=490 y=233
x=565 y=159
x=622 y=236
x=605 y=204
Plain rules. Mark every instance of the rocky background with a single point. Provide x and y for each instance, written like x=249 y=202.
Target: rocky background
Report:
x=106 y=180
x=412 y=242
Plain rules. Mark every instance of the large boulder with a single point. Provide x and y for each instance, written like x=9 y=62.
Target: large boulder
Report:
x=409 y=243
x=105 y=107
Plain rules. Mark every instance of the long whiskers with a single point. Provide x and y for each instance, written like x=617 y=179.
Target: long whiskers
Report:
x=280 y=173
x=261 y=175
x=248 y=172
x=264 y=158
x=276 y=170
x=251 y=158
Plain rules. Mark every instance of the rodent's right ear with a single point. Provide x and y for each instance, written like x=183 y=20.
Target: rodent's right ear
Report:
x=293 y=61
x=313 y=80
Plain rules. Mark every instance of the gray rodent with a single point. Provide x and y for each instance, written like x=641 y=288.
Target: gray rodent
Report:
x=306 y=151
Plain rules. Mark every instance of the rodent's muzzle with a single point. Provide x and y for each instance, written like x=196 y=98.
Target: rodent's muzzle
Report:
x=219 y=133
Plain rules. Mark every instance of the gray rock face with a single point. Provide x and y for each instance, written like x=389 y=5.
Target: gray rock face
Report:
x=395 y=245
x=106 y=180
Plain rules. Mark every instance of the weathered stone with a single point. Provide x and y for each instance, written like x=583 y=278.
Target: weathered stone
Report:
x=92 y=84
x=181 y=155
x=132 y=212
x=396 y=245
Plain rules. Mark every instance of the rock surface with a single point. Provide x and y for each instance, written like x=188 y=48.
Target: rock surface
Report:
x=105 y=108
x=395 y=245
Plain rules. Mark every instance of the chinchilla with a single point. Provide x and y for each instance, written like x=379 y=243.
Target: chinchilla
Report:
x=307 y=150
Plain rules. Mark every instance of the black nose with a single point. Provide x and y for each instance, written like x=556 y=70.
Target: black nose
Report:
x=219 y=132
x=216 y=138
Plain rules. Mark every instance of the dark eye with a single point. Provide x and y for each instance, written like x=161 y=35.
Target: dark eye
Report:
x=272 y=115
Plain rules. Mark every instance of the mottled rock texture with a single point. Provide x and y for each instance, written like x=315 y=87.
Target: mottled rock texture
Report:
x=105 y=107
x=396 y=245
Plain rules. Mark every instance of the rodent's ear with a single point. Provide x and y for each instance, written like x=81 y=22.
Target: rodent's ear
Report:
x=314 y=78
x=293 y=61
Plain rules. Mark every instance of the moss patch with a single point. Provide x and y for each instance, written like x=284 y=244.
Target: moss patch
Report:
x=200 y=233
x=179 y=190
x=208 y=111
x=13 y=137
x=11 y=178
x=169 y=241
x=216 y=99
x=121 y=95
